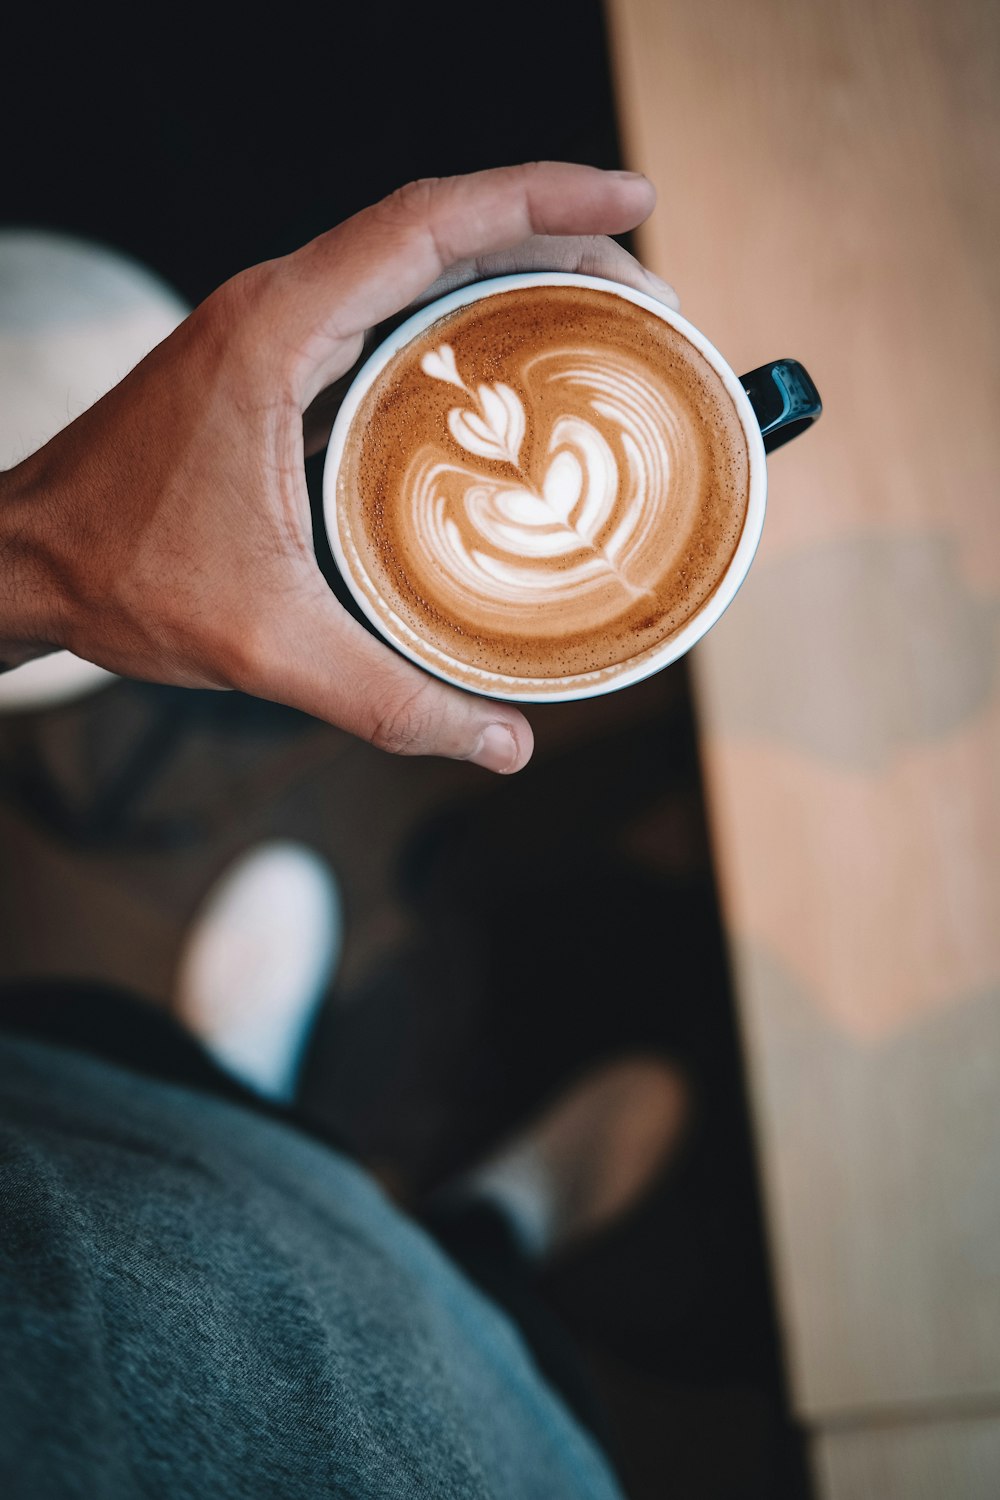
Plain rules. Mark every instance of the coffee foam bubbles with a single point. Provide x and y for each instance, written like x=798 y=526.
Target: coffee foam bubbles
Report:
x=544 y=485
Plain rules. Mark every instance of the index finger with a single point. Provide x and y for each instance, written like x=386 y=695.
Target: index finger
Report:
x=373 y=264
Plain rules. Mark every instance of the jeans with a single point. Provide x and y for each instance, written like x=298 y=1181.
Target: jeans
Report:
x=473 y=1233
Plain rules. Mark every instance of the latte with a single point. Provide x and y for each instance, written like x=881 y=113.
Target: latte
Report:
x=541 y=489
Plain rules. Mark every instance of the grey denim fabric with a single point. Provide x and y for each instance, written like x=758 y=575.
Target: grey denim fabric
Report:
x=199 y=1301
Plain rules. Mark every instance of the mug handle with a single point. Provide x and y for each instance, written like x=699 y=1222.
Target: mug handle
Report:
x=784 y=400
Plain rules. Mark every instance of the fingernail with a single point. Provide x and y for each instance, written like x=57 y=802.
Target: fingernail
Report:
x=662 y=290
x=497 y=749
x=630 y=176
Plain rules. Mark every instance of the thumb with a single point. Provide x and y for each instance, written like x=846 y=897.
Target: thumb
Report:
x=321 y=661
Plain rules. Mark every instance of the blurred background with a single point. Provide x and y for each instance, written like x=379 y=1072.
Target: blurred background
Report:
x=791 y=838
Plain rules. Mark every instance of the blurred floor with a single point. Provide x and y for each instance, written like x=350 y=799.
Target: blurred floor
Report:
x=501 y=935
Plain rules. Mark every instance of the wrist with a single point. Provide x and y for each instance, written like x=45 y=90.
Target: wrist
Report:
x=31 y=610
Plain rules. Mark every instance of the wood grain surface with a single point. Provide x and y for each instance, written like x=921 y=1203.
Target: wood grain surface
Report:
x=919 y=1461
x=829 y=180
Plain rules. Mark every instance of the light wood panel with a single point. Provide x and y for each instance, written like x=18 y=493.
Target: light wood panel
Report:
x=829 y=179
x=931 y=1460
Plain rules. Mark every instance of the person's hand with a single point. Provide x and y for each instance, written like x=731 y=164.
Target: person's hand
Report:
x=166 y=533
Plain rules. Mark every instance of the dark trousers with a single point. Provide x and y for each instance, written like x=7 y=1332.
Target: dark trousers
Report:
x=112 y=1024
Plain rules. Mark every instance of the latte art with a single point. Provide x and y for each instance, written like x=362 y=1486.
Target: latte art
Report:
x=544 y=485
x=582 y=525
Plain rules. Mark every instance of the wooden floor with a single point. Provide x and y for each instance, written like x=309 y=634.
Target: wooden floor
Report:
x=829 y=180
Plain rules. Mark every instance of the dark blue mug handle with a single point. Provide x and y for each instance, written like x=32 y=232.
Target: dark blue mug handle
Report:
x=784 y=400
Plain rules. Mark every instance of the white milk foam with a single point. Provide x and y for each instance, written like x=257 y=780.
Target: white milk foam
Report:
x=546 y=485
x=585 y=523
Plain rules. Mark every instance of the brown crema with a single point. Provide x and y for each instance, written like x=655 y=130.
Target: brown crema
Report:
x=545 y=486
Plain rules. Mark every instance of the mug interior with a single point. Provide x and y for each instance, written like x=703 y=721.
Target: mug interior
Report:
x=652 y=660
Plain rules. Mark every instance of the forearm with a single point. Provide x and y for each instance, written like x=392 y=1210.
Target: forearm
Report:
x=30 y=596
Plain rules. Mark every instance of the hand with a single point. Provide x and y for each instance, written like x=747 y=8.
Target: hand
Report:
x=166 y=533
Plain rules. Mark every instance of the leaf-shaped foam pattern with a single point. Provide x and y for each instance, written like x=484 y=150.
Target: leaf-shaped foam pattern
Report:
x=496 y=431
x=578 y=525
x=439 y=364
x=474 y=435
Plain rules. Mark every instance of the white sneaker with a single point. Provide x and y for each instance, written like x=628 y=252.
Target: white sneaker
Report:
x=258 y=961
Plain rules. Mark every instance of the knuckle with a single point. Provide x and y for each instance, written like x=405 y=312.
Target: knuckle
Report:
x=241 y=301
x=228 y=323
x=525 y=173
x=234 y=299
x=417 y=209
x=411 y=203
x=600 y=253
x=237 y=656
x=403 y=721
x=254 y=662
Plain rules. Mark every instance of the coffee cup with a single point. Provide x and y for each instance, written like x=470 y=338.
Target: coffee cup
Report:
x=548 y=486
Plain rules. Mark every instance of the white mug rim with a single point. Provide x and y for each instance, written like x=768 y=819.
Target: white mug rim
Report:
x=650 y=661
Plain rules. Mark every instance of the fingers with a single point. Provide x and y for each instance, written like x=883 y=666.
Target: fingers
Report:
x=590 y=255
x=371 y=266
x=321 y=661
x=587 y=255
x=419 y=231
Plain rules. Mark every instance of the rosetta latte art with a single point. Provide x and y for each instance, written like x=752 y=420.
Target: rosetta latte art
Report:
x=541 y=489
x=584 y=521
